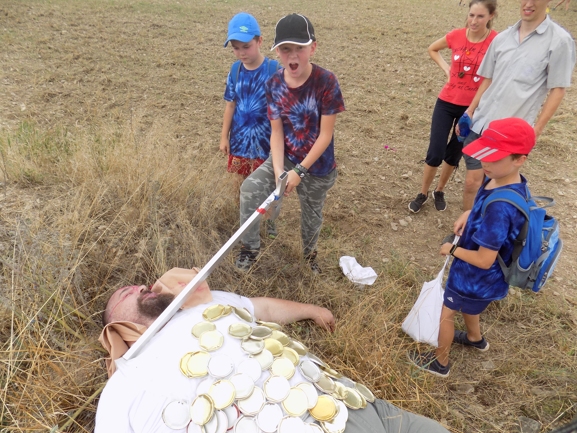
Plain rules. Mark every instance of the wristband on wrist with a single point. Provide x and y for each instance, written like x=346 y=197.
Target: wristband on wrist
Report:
x=453 y=249
x=301 y=169
x=300 y=173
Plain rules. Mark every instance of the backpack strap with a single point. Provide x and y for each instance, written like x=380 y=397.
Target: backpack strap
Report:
x=513 y=198
x=273 y=66
x=234 y=73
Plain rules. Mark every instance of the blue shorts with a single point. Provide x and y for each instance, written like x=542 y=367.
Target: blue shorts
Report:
x=456 y=302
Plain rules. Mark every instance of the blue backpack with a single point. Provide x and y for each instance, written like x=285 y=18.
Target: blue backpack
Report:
x=273 y=66
x=537 y=247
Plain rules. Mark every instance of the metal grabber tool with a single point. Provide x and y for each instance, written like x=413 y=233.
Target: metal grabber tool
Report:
x=272 y=204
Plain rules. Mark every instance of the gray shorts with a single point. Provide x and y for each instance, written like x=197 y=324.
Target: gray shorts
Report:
x=470 y=162
x=382 y=417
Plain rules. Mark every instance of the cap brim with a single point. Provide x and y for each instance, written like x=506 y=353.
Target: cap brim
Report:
x=241 y=37
x=292 y=41
x=483 y=149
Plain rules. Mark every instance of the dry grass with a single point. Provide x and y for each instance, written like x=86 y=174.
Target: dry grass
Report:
x=110 y=176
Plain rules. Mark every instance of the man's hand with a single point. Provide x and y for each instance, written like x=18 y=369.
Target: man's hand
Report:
x=324 y=318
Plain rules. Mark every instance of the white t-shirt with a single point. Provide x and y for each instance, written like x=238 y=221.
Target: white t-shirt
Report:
x=137 y=393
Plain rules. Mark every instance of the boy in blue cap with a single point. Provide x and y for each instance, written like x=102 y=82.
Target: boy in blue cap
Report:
x=303 y=102
x=476 y=278
x=245 y=136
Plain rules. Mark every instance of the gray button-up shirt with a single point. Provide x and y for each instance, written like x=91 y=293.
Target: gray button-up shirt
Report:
x=523 y=72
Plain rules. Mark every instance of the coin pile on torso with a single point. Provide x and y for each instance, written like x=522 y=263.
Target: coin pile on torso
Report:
x=229 y=400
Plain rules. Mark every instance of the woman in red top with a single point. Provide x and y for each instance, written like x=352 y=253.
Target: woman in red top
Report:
x=468 y=47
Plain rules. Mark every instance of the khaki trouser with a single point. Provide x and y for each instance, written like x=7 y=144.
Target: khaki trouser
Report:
x=312 y=192
x=383 y=417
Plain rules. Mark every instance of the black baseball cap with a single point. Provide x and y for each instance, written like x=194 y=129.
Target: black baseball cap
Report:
x=294 y=29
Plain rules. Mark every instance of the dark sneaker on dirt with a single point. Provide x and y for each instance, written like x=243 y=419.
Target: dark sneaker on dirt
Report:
x=416 y=205
x=271 y=229
x=428 y=362
x=440 y=203
x=246 y=258
x=461 y=338
x=311 y=259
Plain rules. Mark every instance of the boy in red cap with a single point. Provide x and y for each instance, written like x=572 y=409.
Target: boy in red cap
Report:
x=476 y=279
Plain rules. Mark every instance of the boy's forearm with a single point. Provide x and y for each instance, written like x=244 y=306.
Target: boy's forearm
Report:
x=277 y=146
x=323 y=141
x=483 y=258
x=227 y=118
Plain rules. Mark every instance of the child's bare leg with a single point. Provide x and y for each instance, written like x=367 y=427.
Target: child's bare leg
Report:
x=446 y=333
x=473 y=327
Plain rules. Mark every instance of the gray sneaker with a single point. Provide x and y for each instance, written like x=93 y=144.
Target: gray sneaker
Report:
x=246 y=258
x=416 y=205
x=440 y=203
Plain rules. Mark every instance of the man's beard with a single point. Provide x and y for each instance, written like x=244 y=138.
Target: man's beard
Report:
x=151 y=308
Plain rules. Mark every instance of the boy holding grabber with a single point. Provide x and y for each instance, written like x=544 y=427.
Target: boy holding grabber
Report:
x=476 y=278
x=303 y=102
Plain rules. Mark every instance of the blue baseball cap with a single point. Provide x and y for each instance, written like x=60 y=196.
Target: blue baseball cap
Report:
x=243 y=27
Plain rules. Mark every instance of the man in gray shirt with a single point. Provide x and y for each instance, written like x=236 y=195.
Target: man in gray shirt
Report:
x=526 y=69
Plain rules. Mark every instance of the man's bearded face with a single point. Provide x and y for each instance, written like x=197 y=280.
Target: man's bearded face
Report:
x=152 y=306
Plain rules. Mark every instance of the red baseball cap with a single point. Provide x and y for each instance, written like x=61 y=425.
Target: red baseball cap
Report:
x=502 y=138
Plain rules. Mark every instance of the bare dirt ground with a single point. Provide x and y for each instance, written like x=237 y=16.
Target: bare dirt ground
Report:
x=85 y=66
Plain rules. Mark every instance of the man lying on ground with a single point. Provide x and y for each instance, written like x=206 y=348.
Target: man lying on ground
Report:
x=214 y=367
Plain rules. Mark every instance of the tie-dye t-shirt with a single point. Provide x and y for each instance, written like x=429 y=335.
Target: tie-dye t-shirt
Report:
x=250 y=129
x=300 y=110
x=496 y=231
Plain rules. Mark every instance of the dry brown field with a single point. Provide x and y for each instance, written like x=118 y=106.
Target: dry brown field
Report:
x=110 y=117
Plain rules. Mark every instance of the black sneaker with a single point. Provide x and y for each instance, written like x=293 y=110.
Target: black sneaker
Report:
x=440 y=203
x=246 y=258
x=311 y=259
x=461 y=338
x=416 y=205
x=271 y=229
x=428 y=362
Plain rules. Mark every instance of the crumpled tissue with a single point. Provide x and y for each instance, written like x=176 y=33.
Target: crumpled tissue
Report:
x=355 y=272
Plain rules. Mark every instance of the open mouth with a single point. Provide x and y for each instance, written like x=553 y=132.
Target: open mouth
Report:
x=293 y=66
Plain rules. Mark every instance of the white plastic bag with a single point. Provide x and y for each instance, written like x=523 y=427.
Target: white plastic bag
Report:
x=355 y=272
x=422 y=322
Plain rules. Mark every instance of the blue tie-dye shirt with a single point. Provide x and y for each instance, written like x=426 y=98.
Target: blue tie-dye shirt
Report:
x=496 y=231
x=300 y=110
x=250 y=129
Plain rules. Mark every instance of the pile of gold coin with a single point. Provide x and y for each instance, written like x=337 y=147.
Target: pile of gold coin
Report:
x=229 y=399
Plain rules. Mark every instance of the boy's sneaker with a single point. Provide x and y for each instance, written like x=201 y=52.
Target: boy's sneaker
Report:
x=246 y=258
x=311 y=259
x=271 y=229
x=416 y=205
x=440 y=203
x=461 y=338
x=428 y=362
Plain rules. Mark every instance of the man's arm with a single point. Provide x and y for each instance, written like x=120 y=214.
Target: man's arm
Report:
x=282 y=311
x=550 y=105
x=475 y=102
